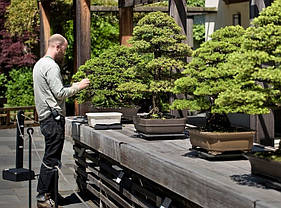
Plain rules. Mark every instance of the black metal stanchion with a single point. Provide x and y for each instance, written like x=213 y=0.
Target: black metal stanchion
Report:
x=19 y=173
x=19 y=141
x=56 y=187
x=30 y=131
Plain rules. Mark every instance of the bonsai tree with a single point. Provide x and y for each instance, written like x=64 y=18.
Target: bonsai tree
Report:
x=106 y=72
x=259 y=67
x=207 y=75
x=159 y=40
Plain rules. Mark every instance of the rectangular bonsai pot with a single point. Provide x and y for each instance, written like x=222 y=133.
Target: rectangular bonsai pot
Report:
x=160 y=126
x=222 y=141
x=106 y=118
x=265 y=167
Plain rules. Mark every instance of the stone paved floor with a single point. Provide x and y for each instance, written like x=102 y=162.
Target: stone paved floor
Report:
x=15 y=194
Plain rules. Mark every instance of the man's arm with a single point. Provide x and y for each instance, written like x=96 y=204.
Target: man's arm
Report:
x=54 y=80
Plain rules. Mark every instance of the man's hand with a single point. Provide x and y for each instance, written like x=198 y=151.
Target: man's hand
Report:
x=83 y=83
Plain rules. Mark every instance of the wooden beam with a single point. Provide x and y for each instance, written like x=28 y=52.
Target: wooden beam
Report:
x=191 y=11
x=125 y=25
x=82 y=39
x=132 y=3
x=44 y=28
x=234 y=1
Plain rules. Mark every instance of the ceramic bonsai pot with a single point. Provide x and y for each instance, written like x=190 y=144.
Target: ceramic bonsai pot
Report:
x=219 y=142
x=160 y=126
x=264 y=167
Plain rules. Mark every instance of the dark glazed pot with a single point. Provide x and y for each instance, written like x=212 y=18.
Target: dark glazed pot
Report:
x=160 y=126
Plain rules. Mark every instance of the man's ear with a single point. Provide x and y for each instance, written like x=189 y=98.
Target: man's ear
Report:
x=57 y=46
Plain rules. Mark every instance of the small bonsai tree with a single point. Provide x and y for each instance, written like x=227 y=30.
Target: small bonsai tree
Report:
x=106 y=72
x=206 y=76
x=160 y=40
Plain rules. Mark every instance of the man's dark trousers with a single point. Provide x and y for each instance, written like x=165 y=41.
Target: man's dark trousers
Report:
x=53 y=131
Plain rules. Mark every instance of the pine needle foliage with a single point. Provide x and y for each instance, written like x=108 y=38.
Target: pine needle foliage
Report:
x=158 y=38
x=206 y=76
x=106 y=72
x=258 y=63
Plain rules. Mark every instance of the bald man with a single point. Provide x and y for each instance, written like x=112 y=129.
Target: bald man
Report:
x=50 y=95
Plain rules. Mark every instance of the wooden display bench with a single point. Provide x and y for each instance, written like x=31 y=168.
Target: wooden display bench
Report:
x=122 y=170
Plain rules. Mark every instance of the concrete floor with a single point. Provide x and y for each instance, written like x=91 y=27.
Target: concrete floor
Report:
x=16 y=194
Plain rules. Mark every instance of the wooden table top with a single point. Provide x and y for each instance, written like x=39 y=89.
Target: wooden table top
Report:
x=173 y=165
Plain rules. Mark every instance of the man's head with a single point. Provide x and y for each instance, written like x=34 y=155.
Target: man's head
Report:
x=58 y=45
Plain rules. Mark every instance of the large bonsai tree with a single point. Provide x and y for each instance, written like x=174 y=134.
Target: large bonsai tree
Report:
x=206 y=76
x=106 y=72
x=159 y=39
x=259 y=76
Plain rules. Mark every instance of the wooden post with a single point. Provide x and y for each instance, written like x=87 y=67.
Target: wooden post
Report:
x=44 y=28
x=264 y=126
x=189 y=32
x=82 y=37
x=177 y=10
x=125 y=25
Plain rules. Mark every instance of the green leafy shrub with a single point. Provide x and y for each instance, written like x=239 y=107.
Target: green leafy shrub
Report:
x=104 y=32
x=23 y=16
x=20 y=88
x=113 y=67
x=159 y=38
x=3 y=81
x=206 y=76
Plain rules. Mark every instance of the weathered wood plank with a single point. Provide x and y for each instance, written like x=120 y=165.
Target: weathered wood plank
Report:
x=185 y=178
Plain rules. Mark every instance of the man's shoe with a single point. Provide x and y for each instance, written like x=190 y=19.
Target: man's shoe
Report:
x=45 y=201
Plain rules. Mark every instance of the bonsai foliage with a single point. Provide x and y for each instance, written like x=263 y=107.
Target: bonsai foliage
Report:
x=159 y=38
x=259 y=77
x=106 y=72
x=206 y=75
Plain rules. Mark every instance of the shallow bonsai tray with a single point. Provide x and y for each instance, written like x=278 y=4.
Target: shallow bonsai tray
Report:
x=230 y=155
x=162 y=136
x=107 y=126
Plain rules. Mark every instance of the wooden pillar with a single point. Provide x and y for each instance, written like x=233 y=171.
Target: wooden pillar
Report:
x=264 y=126
x=177 y=10
x=125 y=25
x=45 y=28
x=82 y=38
x=189 y=32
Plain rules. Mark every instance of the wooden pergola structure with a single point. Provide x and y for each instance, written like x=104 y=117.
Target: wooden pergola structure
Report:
x=177 y=9
x=182 y=14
